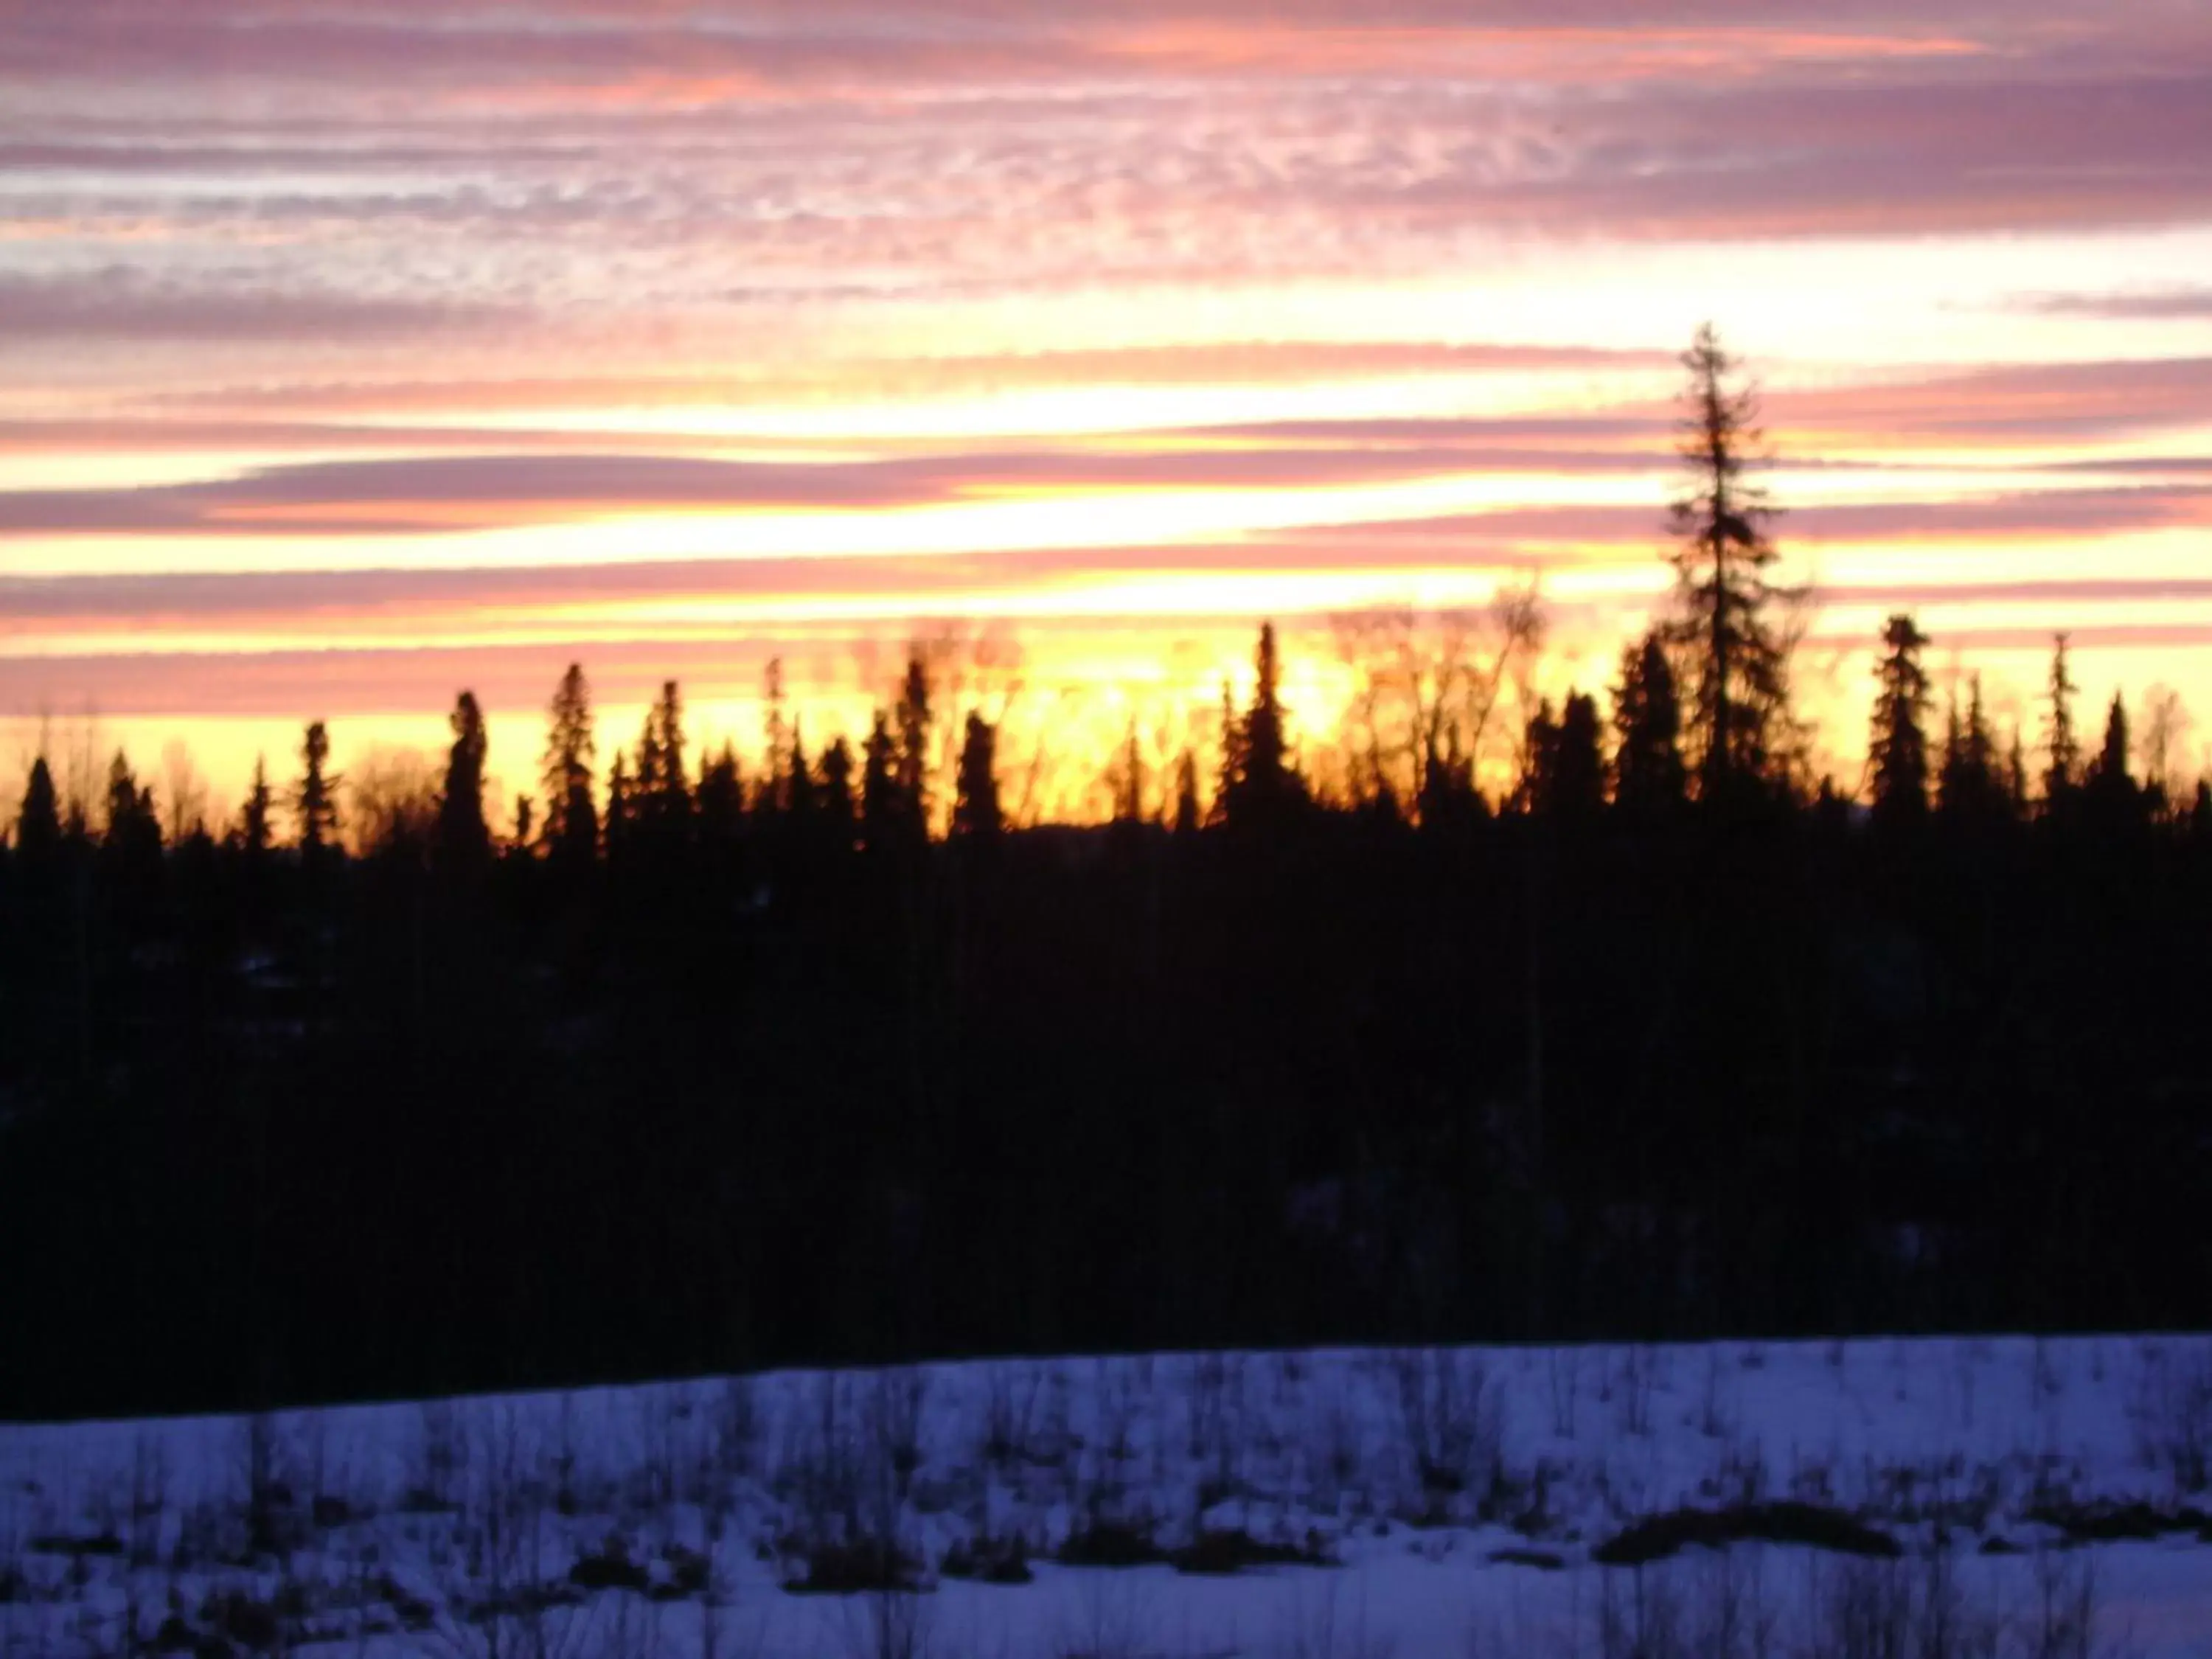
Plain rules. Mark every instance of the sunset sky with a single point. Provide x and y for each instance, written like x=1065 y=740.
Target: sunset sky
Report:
x=350 y=354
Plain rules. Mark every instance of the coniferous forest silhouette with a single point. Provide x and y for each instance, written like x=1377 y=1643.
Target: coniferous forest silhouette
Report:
x=810 y=1054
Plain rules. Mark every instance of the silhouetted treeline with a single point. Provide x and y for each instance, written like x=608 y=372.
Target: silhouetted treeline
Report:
x=723 y=1065
x=763 y=1074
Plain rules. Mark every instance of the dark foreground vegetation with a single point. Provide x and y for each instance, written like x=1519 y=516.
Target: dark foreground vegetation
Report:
x=716 y=1072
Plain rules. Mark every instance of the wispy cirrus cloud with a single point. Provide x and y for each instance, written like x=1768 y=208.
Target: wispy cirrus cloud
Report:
x=2041 y=512
x=126 y=305
x=2005 y=403
x=1161 y=139
x=1507 y=539
x=1211 y=362
x=2125 y=305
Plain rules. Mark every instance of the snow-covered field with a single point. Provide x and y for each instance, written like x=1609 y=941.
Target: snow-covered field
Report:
x=1908 y=1500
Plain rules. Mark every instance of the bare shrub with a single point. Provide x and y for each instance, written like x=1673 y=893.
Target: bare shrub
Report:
x=1635 y=1380
x=820 y=1462
x=150 y=1500
x=1966 y=1368
x=1452 y=1417
x=438 y=1457
x=1335 y=1451
x=735 y=1441
x=1714 y=1417
x=1104 y=1475
x=566 y=1499
x=897 y=1401
x=1010 y=1403
x=13 y=1584
x=1563 y=1374
x=665 y=1418
x=497 y=1596
x=855 y=1445
x=267 y=1497
x=2044 y=1382
x=2170 y=1410
x=1214 y=1406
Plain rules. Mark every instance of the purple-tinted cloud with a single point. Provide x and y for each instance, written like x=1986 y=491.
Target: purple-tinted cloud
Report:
x=2026 y=402
x=2048 y=512
x=950 y=144
x=124 y=304
x=1540 y=537
x=1223 y=363
x=429 y=493
x=2127 y=304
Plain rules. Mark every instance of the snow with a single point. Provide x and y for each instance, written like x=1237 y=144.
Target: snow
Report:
x=1410 y=1470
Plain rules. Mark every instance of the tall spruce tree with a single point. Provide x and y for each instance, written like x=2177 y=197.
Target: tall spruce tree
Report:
x=1267 y=747
x=1972 y=786
x=316 y=800
x=129 y=805
x=1262 y=787
x=1649 y=777
x=2015 y=776
x=1897 y=752
x=1231 y=765
x=721 y=800
x=2113 y=758
x=1540 y=745
x=838 y=808
x=1950 y=763
x=1724 y=597
x=1576 y=786
x=2060 y=749
x=1983 y=765
x=882 y=803
x=1562 y=770
x=911 y=765
x=976 y=814
x=572 y=822
x=663 y=787
x=464 y=838
x=1187 y=815
x=2109 y=789
x=800 y=791
x=621 y=825
x=255 y=827
x=776 y=781
x=130 y=846
x=1129 y=781
x=38 y=823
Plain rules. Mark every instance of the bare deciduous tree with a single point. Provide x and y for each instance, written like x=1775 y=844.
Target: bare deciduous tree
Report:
x=1426 y=687
x=392 y=798
x=2161 y=734
x=183 y=793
